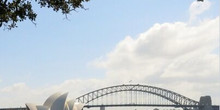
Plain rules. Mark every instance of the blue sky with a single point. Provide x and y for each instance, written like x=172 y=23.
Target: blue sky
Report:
x=57 y=49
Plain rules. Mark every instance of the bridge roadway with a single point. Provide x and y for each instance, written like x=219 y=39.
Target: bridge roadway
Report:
x=140 y=105
x=215 y=107
x=21 y=108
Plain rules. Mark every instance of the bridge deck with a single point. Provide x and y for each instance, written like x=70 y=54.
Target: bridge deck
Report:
x=141 y=105
x=215 y=107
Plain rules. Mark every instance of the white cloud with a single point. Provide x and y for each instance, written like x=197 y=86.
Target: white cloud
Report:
x=197 y=8
x=166 y=48
x=15 y=87
x=175 y=55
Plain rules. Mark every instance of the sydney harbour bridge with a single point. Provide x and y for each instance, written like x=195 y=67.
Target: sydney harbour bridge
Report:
x=144 y=96
x=136 y=95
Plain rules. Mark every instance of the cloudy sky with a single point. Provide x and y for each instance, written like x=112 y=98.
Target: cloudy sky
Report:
x=166 y=43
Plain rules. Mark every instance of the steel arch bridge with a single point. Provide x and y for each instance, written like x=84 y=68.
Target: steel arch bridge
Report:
x=135 y=93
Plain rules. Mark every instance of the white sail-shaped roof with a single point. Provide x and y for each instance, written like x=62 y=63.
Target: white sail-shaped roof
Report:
x=31 y=106
x=42 y=107
x=59 y=103
x=66 y=107
x=51 y=99
x=78 y=106
x=56 y=102
x=70 y=104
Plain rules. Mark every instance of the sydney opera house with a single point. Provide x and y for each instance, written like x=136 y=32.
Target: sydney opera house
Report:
x=56 y=101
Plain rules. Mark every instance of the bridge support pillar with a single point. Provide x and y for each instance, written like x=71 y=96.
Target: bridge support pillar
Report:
x=206 y=102
x=102 y=108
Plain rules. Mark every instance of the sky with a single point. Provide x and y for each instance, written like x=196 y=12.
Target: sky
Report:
x=170 y=44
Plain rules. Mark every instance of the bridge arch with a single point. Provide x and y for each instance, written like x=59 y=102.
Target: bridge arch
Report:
x=175 y=98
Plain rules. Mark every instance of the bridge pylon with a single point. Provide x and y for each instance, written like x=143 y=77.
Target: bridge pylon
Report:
x=206 y=103
x=102 y=108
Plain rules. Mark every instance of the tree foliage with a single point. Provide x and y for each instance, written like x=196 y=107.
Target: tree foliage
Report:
x=13 y=11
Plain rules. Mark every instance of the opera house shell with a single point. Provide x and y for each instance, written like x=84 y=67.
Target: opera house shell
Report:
x=56 y=101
